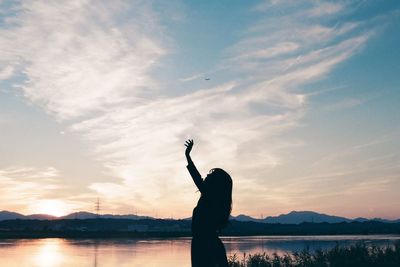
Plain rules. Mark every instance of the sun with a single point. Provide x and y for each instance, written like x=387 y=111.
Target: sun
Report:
x=51 y=207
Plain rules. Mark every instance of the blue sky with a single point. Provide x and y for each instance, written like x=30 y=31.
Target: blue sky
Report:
x=302 y=105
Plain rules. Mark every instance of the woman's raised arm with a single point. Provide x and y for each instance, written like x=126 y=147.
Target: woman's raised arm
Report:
x=196 y=176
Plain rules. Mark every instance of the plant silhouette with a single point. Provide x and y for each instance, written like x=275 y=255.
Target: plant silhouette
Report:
x=210 y=215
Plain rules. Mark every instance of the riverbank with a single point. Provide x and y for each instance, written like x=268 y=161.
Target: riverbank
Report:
x=360 y=254
x=119 y=228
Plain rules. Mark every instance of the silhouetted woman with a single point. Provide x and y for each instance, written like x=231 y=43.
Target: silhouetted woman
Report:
x=210 y=215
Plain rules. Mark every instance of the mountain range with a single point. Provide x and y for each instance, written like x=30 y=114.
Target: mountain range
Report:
x=9 y=215
x=297 y=217
x=293 y=217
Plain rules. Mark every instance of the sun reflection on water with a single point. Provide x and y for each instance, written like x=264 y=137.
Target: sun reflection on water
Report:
x=49 y=253
x=155 y=252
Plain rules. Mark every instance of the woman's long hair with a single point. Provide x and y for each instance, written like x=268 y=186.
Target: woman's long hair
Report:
x=219 y=195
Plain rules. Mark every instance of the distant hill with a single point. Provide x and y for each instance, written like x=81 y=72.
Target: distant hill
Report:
x=244 y=218
x=88 y=215
x=293 y=217
x=8 y=215
x=40 y=217
x=360 y=219
x=297 y=217
x=80 y=215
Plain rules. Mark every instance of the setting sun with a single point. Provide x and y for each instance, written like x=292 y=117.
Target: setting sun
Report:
x=51 y=207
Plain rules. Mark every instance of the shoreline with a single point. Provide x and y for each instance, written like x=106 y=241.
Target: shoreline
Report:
x=125 y=228
x=135 y=235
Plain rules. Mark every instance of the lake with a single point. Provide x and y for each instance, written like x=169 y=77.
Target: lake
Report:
x=58 y=252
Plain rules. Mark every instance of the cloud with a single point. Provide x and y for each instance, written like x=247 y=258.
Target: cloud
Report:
x=77 y=59
x=90 y=65
x=31 y=189
x=344 y=104
x=278 y=78
x=304 y=9
x=365 y=155
x=276 y=50
x=192 y=77
x=6 y=72
x=324 y=9
x=30 y=173
x=370 y=176
x=22 y=185
x=143 y=145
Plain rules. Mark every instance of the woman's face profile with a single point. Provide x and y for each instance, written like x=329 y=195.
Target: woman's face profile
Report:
x=207 y=179
x=209 y=175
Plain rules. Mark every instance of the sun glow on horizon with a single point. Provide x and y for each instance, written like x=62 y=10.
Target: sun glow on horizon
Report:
x=51 y=207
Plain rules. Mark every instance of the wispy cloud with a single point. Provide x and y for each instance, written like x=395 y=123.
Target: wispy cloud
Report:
x=29 y=173
x=344 y=104
x=6 y=72
x=78 y=58
x=354 y=153
x=314 y=50
x=192 y=77
x=349 y=174
x=31 y=190
x=23 y=185
x=324 y=9
x=89 y=64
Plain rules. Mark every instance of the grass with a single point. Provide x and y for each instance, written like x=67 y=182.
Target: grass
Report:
x=356 y=255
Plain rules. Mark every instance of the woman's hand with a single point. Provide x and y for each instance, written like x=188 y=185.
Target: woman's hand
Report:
x=189 y=146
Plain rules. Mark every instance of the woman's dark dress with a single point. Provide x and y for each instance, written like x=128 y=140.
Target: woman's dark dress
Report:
x=207 y=250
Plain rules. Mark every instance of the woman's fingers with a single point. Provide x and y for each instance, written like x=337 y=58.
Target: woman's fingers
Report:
x=189 y=143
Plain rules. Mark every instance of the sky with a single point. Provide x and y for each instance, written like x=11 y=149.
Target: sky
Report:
x=301 y=105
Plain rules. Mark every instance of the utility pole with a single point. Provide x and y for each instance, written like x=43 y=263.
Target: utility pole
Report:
x=97 y=207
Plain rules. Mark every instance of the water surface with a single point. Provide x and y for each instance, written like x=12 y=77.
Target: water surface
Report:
x=58 y=252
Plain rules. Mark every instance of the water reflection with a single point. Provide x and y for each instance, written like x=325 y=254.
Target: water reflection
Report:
x=287 y=244
x=96 y=245
x=49 y=253
x=152 y=252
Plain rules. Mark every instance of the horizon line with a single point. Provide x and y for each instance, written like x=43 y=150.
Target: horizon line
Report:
x=185 y=217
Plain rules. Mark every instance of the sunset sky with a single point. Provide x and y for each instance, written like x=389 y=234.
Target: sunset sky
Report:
x=302 y=107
